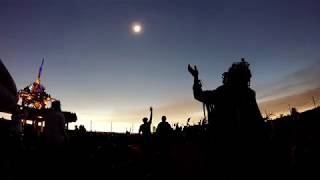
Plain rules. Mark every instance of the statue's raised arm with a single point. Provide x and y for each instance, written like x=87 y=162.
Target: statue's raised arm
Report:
x=198 y=93
x=193 y=71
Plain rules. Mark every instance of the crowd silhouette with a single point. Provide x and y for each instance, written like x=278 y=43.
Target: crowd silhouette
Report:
x=234 y=141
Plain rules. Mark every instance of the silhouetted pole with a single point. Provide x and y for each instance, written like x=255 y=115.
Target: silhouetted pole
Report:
x=91 y=125
x=314 y=102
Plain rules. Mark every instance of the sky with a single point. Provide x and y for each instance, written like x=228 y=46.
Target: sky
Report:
x=105 y=73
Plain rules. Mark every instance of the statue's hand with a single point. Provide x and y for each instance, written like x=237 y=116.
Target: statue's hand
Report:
x=193 y=71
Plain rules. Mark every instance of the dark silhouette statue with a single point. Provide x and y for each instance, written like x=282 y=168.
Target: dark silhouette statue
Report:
x=236 y=126
x=145 y=127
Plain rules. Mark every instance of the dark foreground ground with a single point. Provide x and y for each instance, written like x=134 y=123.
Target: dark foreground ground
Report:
x=119 y=156
x=292 y=152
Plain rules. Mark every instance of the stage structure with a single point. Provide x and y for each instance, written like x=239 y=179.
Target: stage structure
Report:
x=35 y=99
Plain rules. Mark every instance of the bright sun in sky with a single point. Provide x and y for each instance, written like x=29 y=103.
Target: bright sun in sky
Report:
x=136 y=28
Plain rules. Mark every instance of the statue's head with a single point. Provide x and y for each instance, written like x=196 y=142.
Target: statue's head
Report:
x=225 y=78
x=239 y=74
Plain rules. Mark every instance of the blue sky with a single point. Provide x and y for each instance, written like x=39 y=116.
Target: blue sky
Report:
x=101 y=71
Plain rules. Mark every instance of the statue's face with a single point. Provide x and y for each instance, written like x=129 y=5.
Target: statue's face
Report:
x=225 y=78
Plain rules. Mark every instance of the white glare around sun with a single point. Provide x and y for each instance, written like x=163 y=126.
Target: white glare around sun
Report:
x=137 y=28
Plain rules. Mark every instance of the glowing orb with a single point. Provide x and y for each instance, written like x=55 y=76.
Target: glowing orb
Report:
x=136 y=28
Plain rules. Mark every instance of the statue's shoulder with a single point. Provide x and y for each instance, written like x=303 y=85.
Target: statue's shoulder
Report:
x=251 y=92
x=221 y=88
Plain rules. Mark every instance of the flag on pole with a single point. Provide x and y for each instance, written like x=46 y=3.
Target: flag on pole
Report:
x=40 y=69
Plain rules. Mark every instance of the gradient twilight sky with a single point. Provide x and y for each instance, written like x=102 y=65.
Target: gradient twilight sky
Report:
x=99 y=69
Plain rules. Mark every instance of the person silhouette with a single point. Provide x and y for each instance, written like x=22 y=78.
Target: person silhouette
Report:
x=82 y=130
x=55 y=134
x=146 y=143
x=236 y=127
x=145 y=127
x=164 y=129
x=54 y=140
x=16 y=126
